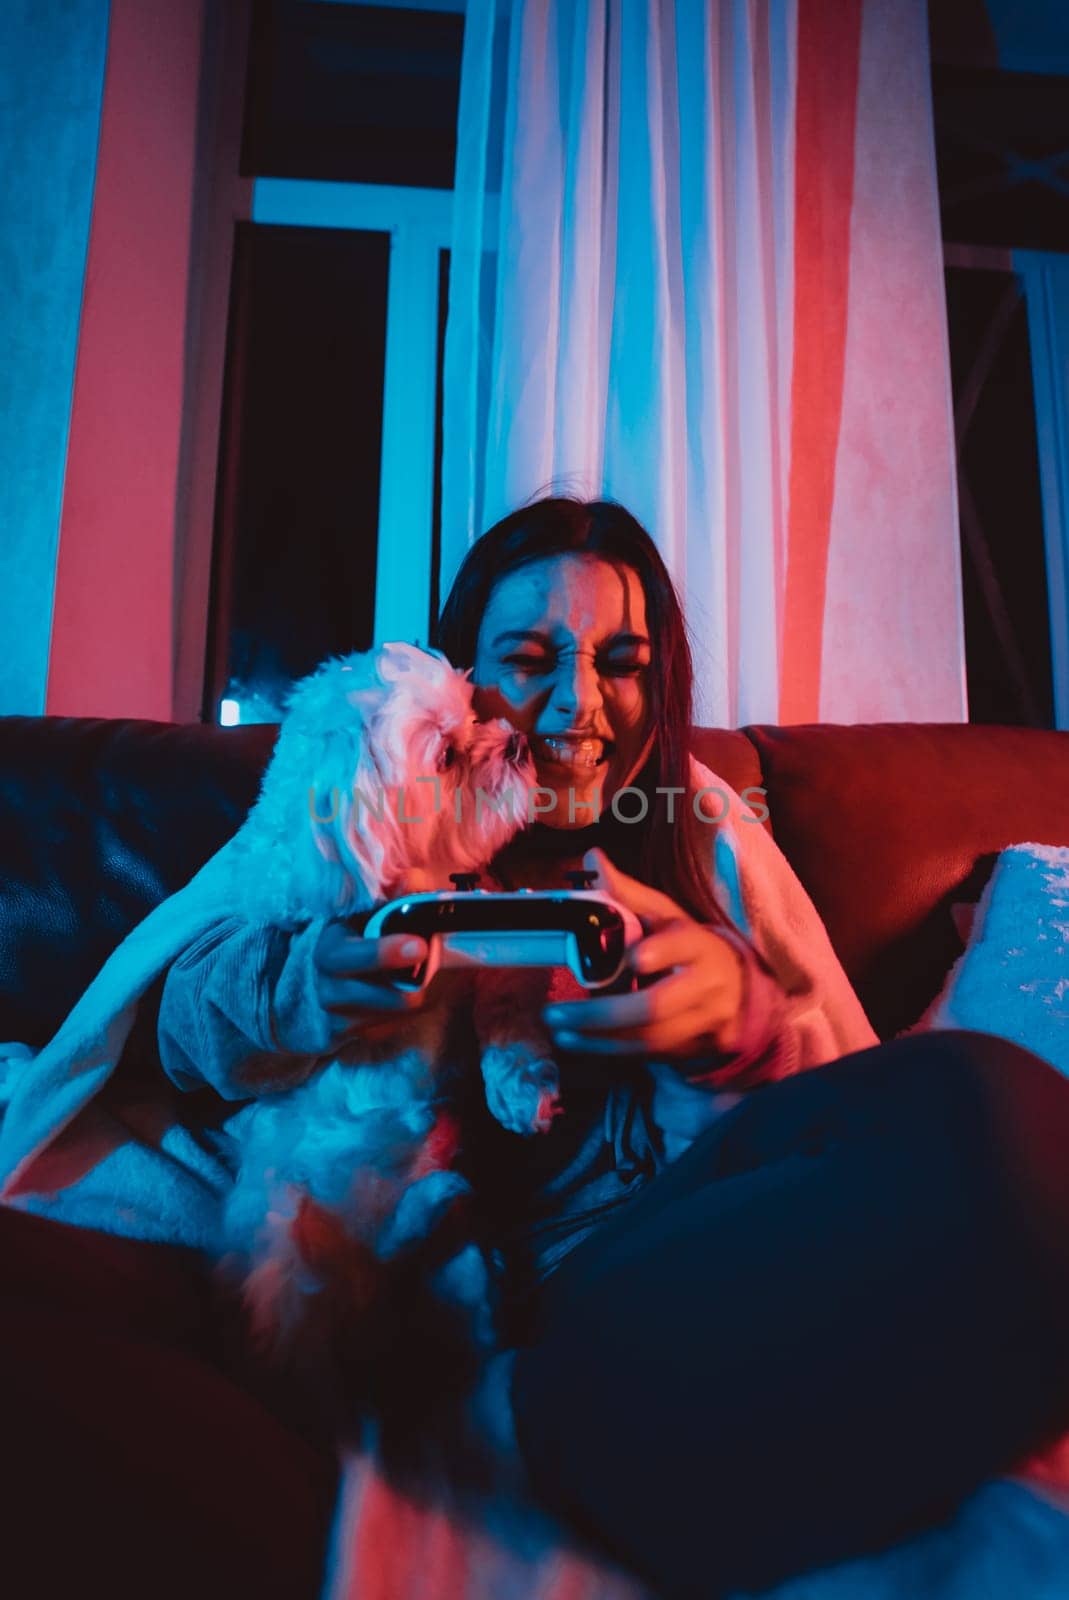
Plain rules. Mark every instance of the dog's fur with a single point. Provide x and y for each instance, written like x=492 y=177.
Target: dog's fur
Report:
x=345 y=1184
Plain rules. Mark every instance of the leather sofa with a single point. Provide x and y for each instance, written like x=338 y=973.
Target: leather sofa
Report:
x=140 y=1454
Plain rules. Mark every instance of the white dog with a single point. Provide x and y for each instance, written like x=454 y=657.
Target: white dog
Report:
x=382 y=782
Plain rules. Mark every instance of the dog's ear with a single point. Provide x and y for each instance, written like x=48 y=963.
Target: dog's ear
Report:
x=297 y=864
x=324 y=838
x=426 y=711
x=367 y=833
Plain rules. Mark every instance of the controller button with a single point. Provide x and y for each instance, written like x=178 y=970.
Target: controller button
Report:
x=465 y=882
x=581 y=878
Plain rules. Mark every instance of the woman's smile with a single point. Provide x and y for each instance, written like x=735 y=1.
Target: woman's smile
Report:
x=570 y=752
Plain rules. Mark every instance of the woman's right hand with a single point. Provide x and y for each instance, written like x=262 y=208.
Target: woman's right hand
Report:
x=356 y=978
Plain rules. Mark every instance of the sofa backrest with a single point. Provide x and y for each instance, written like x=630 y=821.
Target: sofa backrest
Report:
x=100 y=820
x=886 y=825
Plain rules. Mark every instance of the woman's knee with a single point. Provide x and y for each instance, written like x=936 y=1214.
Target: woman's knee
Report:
x=988 y=1054
x=1011 y=1108
x=972 y=1070
x=981 y=1125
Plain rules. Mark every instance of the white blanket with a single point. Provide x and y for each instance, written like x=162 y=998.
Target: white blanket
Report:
x=56 y=1138
x=1005 y=1543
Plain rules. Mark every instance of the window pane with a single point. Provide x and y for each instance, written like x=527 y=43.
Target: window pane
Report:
x=297 y=511
x=1000 y=145
x=1003 y=558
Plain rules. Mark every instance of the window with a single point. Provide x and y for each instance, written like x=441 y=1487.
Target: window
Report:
x=1002 y=150
x=326 y=521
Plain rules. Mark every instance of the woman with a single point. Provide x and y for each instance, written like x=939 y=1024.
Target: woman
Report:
x=757 y=1331
x=848 y=1302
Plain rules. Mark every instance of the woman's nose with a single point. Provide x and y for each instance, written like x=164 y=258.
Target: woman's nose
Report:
x=577 y=691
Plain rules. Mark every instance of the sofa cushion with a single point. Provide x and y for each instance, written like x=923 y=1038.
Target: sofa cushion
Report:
x=888 y=824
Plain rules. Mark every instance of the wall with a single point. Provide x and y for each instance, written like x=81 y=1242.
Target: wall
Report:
x=51 y=80
x=113 y=630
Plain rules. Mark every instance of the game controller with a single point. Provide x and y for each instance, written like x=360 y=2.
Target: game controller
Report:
x=579 y=928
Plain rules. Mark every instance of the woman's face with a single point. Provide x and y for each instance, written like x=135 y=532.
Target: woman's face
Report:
x=563 y=654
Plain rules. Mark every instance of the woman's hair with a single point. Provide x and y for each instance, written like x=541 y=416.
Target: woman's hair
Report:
x=673 y=855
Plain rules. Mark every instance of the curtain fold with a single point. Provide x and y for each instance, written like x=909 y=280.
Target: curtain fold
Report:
x=676 y=298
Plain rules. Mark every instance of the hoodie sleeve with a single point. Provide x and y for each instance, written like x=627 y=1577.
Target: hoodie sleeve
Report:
x=239 y=1010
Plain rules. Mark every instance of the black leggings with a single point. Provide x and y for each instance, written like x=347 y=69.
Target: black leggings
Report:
x=826 y=1323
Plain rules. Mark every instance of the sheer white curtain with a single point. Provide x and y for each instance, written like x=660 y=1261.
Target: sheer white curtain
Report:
x=696 y=267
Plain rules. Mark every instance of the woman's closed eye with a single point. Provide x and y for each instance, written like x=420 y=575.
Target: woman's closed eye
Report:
x=528 y=663
x=537 y=665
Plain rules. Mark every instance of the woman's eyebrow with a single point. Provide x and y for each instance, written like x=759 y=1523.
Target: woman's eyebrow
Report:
x=543 y=638
x=520 y=633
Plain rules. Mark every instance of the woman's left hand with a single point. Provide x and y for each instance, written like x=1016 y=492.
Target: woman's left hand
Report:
x=692 y=1008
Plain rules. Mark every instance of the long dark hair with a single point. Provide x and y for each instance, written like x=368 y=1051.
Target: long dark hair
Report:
x=674 y=856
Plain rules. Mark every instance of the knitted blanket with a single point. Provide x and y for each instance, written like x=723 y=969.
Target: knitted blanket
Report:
x=1013 y=979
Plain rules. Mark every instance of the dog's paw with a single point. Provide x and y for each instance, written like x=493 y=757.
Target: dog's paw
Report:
x=522 y=1088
